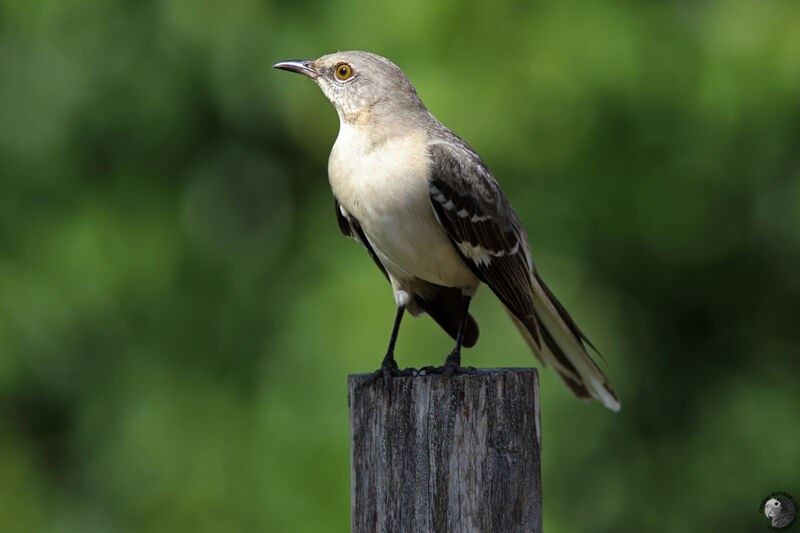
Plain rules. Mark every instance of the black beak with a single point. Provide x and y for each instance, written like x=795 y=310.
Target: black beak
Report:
x=299 y=66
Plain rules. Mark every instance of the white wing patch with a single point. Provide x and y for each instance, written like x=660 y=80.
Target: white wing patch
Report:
x=477 y=254
x=481 y=256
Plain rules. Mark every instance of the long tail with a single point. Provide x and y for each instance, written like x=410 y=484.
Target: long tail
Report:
x=557 y=341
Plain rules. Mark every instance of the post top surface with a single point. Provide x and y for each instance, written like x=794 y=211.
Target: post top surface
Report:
x=478 y=372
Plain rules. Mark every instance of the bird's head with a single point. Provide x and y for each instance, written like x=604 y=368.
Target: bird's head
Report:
x=362 y=86
x=772 y=508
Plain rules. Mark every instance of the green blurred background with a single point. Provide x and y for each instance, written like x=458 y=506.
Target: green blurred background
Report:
x=178 y=310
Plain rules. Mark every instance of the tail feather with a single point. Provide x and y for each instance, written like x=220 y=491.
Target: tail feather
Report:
x=550 y=357
x=563 y=346
x=446 y=306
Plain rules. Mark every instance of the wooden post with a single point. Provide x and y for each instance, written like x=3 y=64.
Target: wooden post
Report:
x=446 y=454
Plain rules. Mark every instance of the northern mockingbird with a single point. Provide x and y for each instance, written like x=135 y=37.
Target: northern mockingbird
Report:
x=435 y=221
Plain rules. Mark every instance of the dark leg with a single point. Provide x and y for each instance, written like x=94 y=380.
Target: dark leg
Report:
x=452 y=364
x=389 y=368
x=395 y=330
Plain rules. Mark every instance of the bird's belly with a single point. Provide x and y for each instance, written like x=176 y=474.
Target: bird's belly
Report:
x=418 y=248
x=389 y=197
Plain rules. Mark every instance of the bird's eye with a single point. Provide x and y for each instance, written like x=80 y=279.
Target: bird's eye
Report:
x=343 y=71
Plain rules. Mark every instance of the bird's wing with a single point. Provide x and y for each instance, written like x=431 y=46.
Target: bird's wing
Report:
x=478 y=219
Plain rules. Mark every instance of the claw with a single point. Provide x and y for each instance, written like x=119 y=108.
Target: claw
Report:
x=451 y=367
x=387 y=371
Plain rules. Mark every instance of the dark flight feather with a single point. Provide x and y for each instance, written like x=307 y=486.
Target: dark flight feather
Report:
x=488 y=225
x=489 y=236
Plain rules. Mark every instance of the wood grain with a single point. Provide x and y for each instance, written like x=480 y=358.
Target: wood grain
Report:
x=446 y=454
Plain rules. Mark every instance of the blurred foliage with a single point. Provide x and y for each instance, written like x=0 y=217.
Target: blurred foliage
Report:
x=178 y=310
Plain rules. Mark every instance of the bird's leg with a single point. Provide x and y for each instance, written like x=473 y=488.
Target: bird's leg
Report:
x=389 y=364
x=389 y=368
x=452 y=364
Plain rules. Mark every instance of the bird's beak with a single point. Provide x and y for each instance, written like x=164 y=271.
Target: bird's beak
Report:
x=301 y=66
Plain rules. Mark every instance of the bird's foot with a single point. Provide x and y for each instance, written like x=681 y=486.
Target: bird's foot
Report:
x=451 y=366
x=389 y=370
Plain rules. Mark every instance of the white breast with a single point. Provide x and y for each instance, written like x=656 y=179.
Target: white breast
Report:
x=385 y=187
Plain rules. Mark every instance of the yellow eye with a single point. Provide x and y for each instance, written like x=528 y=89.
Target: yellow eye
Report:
x=343 y=71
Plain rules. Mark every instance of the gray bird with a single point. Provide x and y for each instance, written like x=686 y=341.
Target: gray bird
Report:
x=435 y=221
x=781 y=510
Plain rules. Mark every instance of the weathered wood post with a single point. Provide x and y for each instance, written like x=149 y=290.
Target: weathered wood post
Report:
x=446 y=454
